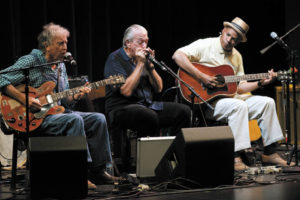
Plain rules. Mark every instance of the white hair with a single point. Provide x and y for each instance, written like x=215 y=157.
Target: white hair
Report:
x=130 y=32
x=49 y=32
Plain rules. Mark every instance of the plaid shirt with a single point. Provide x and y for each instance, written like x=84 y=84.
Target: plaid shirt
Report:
x=37 y=75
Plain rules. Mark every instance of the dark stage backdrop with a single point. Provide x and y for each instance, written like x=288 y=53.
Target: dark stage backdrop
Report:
x=97 y=28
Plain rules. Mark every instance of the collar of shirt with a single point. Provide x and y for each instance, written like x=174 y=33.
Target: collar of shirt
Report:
x=124 y=55
x=220 y=49
x=39 y=54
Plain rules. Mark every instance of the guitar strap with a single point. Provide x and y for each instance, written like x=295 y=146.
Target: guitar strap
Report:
x=58 y=78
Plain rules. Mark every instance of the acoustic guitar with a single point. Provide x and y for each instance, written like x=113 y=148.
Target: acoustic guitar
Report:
x=14 y=113
x=227 y=82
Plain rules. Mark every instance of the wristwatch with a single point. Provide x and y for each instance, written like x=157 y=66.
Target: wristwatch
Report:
x=259 y=84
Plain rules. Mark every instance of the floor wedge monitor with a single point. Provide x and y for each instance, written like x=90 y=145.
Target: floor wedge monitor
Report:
x=58 y=167
x=204 y=155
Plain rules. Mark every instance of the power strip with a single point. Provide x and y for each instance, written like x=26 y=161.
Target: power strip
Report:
x=264 y=170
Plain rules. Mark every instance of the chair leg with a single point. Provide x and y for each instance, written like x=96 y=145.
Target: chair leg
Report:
x=116 y=169
x=126 y=150
x=14 y=162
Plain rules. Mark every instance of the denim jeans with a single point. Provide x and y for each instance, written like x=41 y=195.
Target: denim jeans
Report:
x=92 y=125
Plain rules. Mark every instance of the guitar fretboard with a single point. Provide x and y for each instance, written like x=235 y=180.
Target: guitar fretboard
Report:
x=231 y=79
x=73 y=91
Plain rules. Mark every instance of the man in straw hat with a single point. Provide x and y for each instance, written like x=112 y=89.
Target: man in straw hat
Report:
x=236 y=111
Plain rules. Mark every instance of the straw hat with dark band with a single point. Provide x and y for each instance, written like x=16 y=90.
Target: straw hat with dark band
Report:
x=239 y=26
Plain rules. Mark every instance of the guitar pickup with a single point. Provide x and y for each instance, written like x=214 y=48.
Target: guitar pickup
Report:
x=11 y=120
x=49 y=99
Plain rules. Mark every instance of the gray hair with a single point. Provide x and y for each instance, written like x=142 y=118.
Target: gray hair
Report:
x=129 y=33
x=49 y=32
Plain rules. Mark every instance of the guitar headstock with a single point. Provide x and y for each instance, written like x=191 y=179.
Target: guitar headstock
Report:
x=117 y=80
x=284 y=76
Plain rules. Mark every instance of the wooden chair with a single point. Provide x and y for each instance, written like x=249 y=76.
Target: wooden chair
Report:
x=254 y=130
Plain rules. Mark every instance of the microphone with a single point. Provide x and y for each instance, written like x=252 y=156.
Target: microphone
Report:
x=154 y=61
x=279 y=40
x=68 y=58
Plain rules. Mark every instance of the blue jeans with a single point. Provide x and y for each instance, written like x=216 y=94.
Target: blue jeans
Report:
x=92 y=125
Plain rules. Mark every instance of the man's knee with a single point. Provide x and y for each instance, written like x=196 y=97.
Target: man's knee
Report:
x=241 y=106
x=99 y=117
x=185 y=111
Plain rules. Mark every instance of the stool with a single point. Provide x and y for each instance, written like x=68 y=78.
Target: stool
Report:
x=122 y=147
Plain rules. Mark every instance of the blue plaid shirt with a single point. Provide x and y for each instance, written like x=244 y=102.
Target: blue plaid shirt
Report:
x=37 y=75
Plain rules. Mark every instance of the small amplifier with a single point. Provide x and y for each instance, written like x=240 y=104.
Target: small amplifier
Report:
x=150 y=151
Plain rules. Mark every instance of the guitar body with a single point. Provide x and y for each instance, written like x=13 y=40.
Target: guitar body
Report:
x=14 y=113
x=221 y=90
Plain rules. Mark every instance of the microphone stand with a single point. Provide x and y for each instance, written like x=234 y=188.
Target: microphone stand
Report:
x=268 y=47
x=25 y=71
x=295 y=149
x=292 y=56
x=193 y=94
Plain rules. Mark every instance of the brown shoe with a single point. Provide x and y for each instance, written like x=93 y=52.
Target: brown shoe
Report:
x=91 y=186
x=275 y=159
x=239 y=165
x=103 y=177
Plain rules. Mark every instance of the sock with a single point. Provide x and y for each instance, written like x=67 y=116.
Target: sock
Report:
x=96 y=170
x=270 y=149
x=238 y=153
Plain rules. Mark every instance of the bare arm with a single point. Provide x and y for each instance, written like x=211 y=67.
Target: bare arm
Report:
x=251 y=86
x=13 y=92
x=247 y=87
x=133 y=80
x=154 y=77
x=183 y=62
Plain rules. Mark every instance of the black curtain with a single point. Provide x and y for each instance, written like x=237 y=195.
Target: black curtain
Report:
x=97 y=28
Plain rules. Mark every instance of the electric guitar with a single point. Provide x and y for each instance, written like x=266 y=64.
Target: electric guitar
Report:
x=227 y=82
x=14 y=113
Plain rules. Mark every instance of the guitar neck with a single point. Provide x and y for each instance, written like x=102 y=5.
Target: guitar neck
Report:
x=248 y=77
x=60 y=95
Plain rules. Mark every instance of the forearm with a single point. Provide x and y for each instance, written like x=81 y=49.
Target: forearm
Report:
x=183 y=62
x=14 y=93
x=247 y=87
x=132 y=81
x=155 y=80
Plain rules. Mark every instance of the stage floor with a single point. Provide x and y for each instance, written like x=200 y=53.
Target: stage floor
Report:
x=263 y=183
x=278 y=185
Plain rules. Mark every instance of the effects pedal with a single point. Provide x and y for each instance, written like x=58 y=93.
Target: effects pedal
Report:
x=264 y=170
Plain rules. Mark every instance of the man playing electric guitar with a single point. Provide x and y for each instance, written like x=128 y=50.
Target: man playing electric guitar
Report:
x=53 y=47
x=236 y=111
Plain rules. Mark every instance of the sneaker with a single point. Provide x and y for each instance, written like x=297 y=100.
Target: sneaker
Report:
x=239 y=165
x=275 y=159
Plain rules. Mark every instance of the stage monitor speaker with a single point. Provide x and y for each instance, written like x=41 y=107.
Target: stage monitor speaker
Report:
x=150 y=150
x=58 y=167
x=204 y=155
